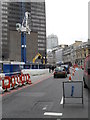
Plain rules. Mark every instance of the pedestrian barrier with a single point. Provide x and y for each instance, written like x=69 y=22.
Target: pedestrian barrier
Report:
x=6 y=83
x=25 y=75
x=28 y=79
x=12 y=82
x=1 y=90
x=19 y=80
x=16 y=81
x=22 y=77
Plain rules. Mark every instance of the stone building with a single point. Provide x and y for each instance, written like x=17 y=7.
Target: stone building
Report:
x=55 y=55
x=76 y=53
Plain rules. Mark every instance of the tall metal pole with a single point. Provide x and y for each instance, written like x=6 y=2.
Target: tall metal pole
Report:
x=23 y=47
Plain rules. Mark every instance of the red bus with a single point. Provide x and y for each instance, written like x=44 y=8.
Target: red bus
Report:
x=86 y=75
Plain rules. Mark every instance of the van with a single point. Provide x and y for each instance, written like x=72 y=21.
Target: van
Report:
x=86 y=74
x=66 y=67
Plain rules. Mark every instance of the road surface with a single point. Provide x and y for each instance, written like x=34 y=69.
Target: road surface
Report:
x=43 y=99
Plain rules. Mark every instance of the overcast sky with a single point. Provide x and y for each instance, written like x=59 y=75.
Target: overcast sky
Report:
x=68 y=19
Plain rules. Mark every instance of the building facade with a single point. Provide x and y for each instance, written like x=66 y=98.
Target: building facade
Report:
x=52 y=41
x=12 y=13
x=55 y=55
x=76 y=53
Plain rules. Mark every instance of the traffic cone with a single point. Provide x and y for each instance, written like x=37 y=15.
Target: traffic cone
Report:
x=73 y=73
x=74 y=70
x=69 y=77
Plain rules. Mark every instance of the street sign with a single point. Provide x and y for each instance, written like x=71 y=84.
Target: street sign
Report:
x=72 y=89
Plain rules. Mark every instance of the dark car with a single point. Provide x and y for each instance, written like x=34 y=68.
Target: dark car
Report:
x=67 y=68
x=60 y=72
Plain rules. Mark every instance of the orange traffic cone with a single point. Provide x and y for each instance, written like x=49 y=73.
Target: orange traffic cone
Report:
x=74 y=70
x=69 y=77
x=73 y=73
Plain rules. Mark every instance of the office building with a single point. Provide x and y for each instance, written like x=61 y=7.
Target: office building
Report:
x=52 y=41
x=12 y=13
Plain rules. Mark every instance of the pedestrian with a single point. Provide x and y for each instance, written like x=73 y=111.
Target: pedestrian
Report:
x=49 y=69
x=52 y=69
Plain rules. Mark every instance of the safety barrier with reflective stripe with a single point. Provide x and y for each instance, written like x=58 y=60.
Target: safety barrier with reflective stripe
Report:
x=14 y=81
x=6 y=83
x=28 y=79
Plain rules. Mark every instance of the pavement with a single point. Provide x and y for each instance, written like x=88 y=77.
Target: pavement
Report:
x=35 y=78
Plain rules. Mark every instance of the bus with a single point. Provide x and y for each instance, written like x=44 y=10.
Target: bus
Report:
x=86 y=74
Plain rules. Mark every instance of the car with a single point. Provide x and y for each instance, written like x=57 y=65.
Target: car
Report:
x=60 y=72
x=86 y=73
x=66 y=66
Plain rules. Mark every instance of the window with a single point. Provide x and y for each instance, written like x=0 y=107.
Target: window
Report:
x=41 y=45
x=41 y=48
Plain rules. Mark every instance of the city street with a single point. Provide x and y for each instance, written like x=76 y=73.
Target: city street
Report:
x=43 y=99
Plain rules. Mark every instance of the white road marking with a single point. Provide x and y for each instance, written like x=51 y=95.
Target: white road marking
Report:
x=61 y=101
x=53 y=114
x=44 y=108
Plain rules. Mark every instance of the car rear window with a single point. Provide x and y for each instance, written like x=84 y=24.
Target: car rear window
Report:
x=59 y=69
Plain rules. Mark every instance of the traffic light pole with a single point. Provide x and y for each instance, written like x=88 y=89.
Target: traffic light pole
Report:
x=23 y=47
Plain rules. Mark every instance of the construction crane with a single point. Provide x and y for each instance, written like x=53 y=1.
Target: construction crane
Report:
x=37 y=56
x=23 y=29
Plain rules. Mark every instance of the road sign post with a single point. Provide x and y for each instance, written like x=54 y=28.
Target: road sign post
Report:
x=72 y=89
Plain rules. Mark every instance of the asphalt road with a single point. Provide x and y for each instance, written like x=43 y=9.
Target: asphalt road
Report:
x=43 y=99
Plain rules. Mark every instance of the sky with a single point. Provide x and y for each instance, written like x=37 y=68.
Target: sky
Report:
x=68 y=19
